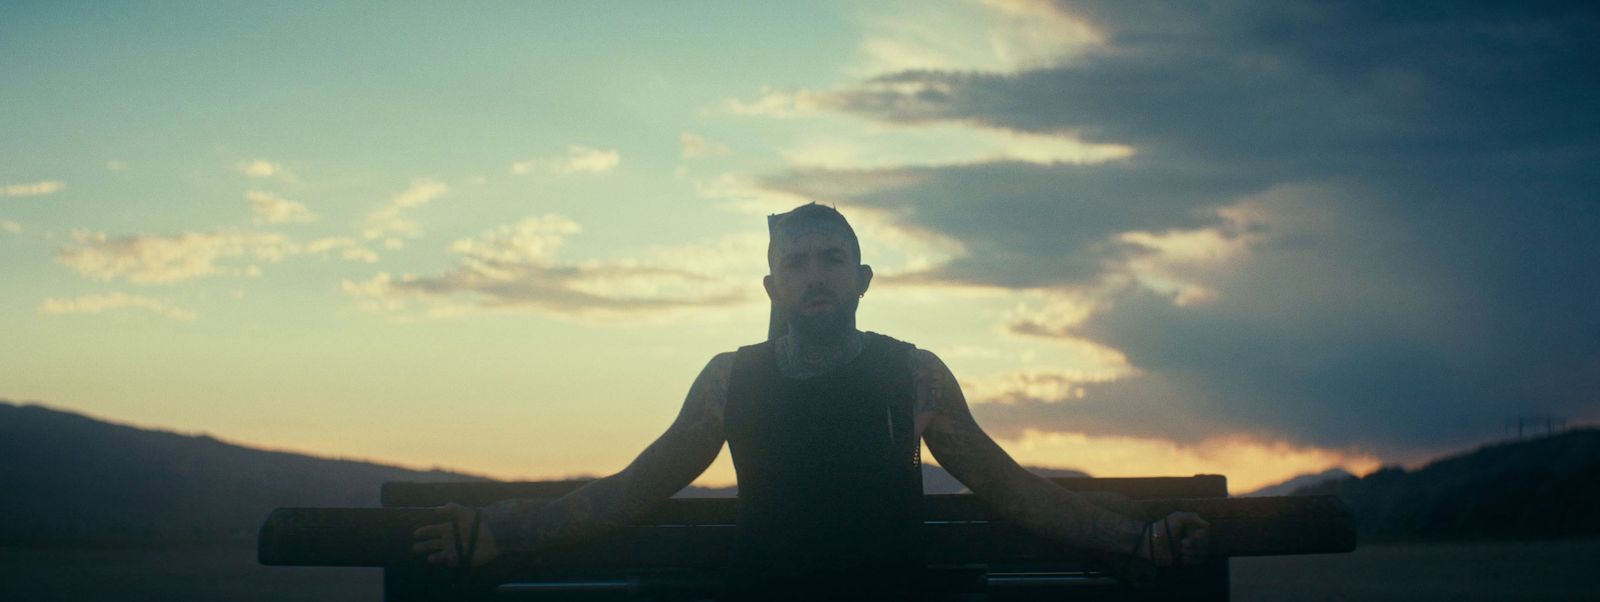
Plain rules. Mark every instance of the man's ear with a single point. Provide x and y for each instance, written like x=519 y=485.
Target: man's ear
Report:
x=863 y=278
x=766 y=283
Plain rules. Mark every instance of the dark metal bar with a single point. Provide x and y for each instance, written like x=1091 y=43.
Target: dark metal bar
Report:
x=1053 y=580
x=606 y=585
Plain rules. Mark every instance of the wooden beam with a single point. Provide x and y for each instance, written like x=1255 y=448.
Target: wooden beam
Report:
x=699 y=533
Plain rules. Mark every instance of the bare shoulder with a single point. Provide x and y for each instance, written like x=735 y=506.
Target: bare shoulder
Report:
x=925 y=365
x=710 y=389
x=938 y=392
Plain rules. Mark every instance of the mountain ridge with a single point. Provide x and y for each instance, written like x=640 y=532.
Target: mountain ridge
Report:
x=74 y=478
x=1547 y=487
x=1298 y=482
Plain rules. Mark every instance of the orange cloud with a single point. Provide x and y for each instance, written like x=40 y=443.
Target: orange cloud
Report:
x=1249 y=463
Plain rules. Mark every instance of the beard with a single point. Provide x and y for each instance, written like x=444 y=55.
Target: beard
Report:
x=831 y=324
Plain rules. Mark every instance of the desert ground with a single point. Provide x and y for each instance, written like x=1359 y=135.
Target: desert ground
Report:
x=1548 y=570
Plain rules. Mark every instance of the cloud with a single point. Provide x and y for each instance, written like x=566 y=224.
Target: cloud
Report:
x=695 y=146
x=515 y=267
x=348 y=248
x=10 y=226
x=393 y=218
x=579 y=159
x=780 y=104
x=1199 y=80
x=1026 y=225
x=39 y=188
x=995 y=35
x=941 y=145
x=1376 y=241
x=272 y=209
x=156 y=259
x=421 y=192
x=262 y=168
x=1249 y=463
x=94 y=304
x=588 y=160
x=893 y=247
x=116 y=165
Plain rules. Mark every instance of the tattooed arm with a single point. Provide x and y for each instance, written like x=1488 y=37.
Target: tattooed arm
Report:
x=667 y=466
x=1028 y=500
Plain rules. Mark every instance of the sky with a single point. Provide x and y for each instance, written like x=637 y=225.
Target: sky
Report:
x=1249 y=237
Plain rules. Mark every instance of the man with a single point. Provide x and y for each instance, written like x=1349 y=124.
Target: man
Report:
x=823 y=422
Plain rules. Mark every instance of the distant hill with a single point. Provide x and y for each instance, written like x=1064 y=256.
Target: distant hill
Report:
x=1534 y=489
x=68 y=478
x=1300 y=482
x=65 y=477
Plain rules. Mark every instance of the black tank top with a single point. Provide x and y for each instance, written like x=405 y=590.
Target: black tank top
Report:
x=830 y=490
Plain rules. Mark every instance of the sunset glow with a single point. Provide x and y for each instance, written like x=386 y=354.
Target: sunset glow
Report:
x=505 y=242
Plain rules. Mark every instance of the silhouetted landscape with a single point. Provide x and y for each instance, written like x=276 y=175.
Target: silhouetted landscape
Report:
x=1298 y=482
x=70 y=478
x=74 y=479
x=95 y=510
x=1521 y=490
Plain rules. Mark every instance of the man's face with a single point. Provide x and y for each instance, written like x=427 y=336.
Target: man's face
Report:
x=816 y=277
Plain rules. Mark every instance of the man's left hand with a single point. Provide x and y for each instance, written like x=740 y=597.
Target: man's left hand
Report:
x=440 y=541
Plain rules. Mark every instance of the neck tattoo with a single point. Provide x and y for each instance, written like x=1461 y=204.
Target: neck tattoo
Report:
x=801 y=358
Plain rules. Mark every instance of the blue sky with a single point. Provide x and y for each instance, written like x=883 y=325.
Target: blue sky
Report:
x=1254 y=238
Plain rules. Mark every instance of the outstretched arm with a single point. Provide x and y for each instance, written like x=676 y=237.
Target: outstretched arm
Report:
x=667 y=466
x=1028 y=500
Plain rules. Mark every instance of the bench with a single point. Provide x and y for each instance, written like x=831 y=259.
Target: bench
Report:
x=680 y=550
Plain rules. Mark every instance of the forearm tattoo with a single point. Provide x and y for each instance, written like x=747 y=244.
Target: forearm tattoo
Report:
x=664 y=468
x=1026 y=499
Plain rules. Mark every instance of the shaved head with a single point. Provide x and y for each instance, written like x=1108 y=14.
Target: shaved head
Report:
x=806 y=220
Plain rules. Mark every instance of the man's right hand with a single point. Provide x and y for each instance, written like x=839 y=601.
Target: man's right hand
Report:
x=1178 y=538
x=439 y=541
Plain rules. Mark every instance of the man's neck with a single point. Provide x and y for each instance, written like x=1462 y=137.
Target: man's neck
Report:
x=800 y=356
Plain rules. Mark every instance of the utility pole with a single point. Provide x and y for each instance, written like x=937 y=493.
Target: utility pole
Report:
x=1531 y=424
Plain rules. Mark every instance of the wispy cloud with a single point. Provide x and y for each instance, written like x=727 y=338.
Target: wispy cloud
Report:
x=695 y=146
x=39 y=188
x=780 y=103
x=579 y=159
x=157 y=259
x=944 y=144
x=10 y=226
x=262 y=168
x=515 y=267
x=994 y=35
x=421 y=192
x=273 y=209
x=116 y=165
x=393 y=220
x=94 y=304
x=349 y=249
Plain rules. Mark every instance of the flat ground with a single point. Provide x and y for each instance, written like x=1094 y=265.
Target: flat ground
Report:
x=1547 y=570
x=216 y=572
x=1554 y=570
